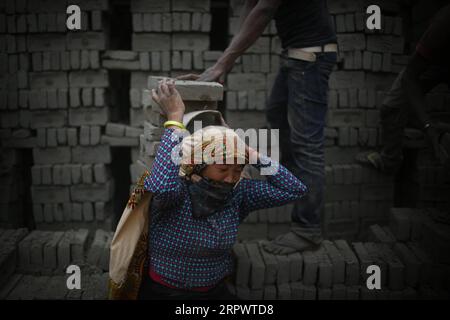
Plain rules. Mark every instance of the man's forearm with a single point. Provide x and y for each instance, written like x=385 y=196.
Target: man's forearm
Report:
x=252 y=27
x=248 y=7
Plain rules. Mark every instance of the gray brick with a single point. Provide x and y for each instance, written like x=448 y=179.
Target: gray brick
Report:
x=310 y=269
x=364 y=259
x=88 y=211
x=150 y=6
x=284 y=291
x=351 y=42
x=88 y=116
x=91 y=193
x=296 y=267
x=46 y=42
x=49 y=80
x=352 y=293
x=86 y=174
x=352 y=269
x=77 y=212
x=257 y=269
x=239 y=81
x=41 y=194
x=78 y=245
x=86 y=41
x=411 y=262
x=271 y=267
x=309 y=292
x=325 y=269
x=270 y=292
x=72 y=137
x=95 y=135
x=51 y=155
x=50 y=260
x=56 y=174
x=100 y=211
x=87 y=97
x=190 y=42
x=150 y=41
x=99 y=97
x=191 y=6
x=89 y=79
x=156 y=61
x=243 y=265
x=75 y=59
x=115 y=129
x=97 y=154
x=84 y=135
x=101 y=173
x=337 y=261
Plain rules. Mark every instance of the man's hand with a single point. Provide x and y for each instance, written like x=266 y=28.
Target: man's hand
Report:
x=211 y=74
x=169 y=99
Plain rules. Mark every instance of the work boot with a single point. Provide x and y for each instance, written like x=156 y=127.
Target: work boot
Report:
x=299 y=239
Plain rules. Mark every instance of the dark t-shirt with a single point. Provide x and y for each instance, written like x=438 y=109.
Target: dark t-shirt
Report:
x=304 y=23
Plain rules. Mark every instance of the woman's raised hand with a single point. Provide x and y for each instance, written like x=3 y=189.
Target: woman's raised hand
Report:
x=169 y=99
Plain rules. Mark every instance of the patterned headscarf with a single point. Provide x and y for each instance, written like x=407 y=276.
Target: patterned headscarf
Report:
x=200 y=149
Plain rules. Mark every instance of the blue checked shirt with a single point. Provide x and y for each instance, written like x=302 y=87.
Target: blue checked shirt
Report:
x=188 y=252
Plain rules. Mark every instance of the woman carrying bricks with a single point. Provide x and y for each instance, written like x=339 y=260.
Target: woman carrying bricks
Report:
x=197 y=206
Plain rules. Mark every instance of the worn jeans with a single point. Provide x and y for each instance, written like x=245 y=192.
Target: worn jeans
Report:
x=297 y=107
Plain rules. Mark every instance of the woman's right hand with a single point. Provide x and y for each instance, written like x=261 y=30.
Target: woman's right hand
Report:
x=169 y=99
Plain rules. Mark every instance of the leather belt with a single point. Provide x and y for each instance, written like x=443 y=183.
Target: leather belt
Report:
x=309 y=54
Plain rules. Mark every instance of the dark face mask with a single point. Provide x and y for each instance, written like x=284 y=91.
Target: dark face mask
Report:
x=208 y=196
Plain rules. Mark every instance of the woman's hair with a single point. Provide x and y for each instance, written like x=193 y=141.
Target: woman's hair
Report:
x=211 y=144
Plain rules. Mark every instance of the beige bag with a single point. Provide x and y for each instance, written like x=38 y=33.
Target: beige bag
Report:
x=129 y=247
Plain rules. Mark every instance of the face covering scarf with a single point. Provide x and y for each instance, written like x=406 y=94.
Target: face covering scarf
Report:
x=209 y=196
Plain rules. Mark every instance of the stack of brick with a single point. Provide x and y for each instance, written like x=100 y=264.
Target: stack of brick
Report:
x=356 y=197
x=266 y=223
x=251 y=78
x=420 y=239
x=34 y=264
x=338 y=270
x=50 y=252
x=55 y=104
x=53 y=287
x=9 y=238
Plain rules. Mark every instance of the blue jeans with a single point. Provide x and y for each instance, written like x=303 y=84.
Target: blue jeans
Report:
x=298 y=106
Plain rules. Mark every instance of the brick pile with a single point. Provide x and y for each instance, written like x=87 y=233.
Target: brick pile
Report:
x=34 y=263
x=55 y=103
x=412 y=251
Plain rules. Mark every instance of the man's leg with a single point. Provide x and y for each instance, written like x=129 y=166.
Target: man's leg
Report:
x=307 y=107
x=276 y=113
